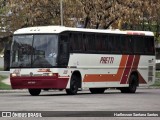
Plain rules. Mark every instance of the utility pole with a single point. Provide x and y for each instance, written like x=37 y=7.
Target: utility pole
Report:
x=61 y=11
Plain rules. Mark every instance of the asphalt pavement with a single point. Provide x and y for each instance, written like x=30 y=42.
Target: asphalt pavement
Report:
x=57 y=105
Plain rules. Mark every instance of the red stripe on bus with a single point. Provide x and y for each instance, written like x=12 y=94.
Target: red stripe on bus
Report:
x=127 y=69
x=131 y=69
x=136 y=62
x=129 y=33
x=135 y=33
x=135 y=65
x=108 y=77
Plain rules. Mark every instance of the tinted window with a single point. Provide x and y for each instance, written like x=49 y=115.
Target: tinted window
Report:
x=149 y=45
x=38 y=51
x=114 y=43
x=101 y=43
x=126 y=46
x=63 y=50
x=90 y=42
x=76 y=42
x=111 y=43
x=138 y=44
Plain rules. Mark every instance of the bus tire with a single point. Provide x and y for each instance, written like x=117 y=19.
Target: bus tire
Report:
x=34 y=92
x=133 y=82
x=97 y=90
x=73 y=86
x=124 y=90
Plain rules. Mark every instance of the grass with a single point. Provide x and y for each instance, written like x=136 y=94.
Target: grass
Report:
x=4 y=86
x=157 y=74
x=1 y=69
x=157 y=81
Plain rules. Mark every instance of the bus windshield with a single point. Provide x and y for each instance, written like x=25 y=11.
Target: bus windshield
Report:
x=37 y=51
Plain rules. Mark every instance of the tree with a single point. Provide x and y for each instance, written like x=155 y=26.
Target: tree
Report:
x=106 y=13
x=34 y=12
x=91 y=13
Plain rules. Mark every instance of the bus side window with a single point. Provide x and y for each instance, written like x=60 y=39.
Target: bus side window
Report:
x=138 y=44
x=99 y=39
x=90 y=43
x=71 y=42
x=76 y=43
x=63 y=50
x=117 y=42
x=149 y=43
x=126 y=45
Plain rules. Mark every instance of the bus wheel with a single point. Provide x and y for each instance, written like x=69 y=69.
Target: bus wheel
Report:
x=124 y=90
x=133 y=81
x=34 y=92
x=96 y=90
x=73 y=86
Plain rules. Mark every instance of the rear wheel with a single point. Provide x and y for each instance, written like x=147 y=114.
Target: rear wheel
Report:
x=73 y=86
x=97 y=90
x=34 y=92
x=133 y=82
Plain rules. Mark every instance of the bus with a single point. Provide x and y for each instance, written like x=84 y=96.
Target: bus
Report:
x=74 y=59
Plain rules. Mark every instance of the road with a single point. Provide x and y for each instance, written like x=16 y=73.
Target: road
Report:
x=111 y=100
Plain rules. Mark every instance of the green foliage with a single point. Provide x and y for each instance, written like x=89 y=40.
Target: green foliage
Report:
x=157 y=74
x=157 y=83
x=1 y=69
x=2 y=77
x=3 y=86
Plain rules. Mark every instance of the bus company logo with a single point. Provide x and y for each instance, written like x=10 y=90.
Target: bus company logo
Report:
x=107 y=60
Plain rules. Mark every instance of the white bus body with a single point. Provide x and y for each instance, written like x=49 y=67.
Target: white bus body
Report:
x=94 y=70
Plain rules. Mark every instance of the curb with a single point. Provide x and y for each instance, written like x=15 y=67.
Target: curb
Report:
x=13 y=91
x=150 y=87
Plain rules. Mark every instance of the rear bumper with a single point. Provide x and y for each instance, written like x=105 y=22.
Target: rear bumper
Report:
x=40 y=82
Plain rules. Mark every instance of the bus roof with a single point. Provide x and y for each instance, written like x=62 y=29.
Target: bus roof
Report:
x=59 y=29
